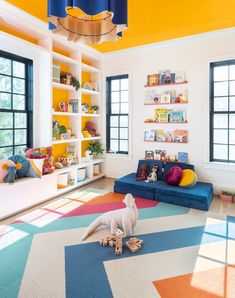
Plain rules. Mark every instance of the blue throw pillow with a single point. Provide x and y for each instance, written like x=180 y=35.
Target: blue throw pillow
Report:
x=23 y=165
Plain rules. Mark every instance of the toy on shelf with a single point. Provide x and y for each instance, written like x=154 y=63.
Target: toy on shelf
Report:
x=86 y=134
x=143 y=173
x=65 y=107
x=69 y=158
x=125 y=218
x=134 y=244
x=152 y=177
x=90 y=127
x=60 y=132
x=89 y=109
x=65 y=78
x=58 y=165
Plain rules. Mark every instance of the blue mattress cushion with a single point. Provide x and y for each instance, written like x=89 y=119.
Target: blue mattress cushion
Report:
x=169 y=165
x=200 y=192
x=129 y=181
x=151 y=163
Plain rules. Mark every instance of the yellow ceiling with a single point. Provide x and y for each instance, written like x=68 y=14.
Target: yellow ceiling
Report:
x=157 y=20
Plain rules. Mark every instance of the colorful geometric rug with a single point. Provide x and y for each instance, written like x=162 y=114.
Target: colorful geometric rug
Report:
x=186 y=252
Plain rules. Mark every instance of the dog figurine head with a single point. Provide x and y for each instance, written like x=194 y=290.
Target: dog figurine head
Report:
x=129 y=201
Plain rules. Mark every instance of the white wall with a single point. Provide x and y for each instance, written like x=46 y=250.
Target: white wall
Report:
x=193 y=55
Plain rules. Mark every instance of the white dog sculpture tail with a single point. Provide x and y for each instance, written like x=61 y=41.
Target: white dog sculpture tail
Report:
x=125 y=218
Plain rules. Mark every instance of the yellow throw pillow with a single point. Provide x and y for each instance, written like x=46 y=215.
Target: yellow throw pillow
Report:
x=189 y=178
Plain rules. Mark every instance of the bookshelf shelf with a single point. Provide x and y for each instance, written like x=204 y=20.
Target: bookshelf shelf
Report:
x=65 y=114
x=90 y=92
x=169 y=103
x=160 y=85
x=90 y=115
x=64 y=141
x=63 y=59
x=166 y=142
x=166 y=122
x=63 y=86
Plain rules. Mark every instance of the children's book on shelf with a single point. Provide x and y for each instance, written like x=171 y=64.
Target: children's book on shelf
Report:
x=160 y=154
x=180 y=77
x=165 y=97
x=160 y=135
x=153 y=79
x=149 y=136
x=161 y=115
x=74 y=104
x=181 y=96
x=177 y=116
x=183 y=157
x=151 y=96
x=179 y=136
x=166 y=77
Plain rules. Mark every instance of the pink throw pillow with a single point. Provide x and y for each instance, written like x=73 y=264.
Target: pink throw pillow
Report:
x=174 y=175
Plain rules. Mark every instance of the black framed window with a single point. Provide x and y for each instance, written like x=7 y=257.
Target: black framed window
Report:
x=117 y=114
x=16 y=111
x=222 y=111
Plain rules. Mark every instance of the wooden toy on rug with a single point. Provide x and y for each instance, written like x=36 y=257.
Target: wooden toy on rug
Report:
x=107 y=241
x=134 y=244
x=118 y=245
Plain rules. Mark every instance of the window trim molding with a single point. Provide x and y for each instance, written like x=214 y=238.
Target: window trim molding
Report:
x=28 y=96
x=128 y=156
x=223 y=62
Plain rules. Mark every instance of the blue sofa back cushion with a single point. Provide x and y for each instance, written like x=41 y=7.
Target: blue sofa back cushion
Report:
x=169 y=165
x=151 y=163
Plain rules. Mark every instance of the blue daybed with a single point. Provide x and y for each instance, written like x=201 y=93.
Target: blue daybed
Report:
x=198 y=197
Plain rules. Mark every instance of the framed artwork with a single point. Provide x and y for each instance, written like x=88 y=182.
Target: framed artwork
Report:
x=149 y=154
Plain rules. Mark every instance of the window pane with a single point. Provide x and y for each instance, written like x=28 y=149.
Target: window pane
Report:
x=124 y=96
x=115 y=86
x=5 y=101
x=124 y=84
x=124 y=121
x=20 y=149
x=221 y=152
x=18 y=69
x=232 y=137
x=232 y=72
x=20 y=120
x=124 y=133
x=114 y=145
x=114 y=121
x=5 y=66
x=18 y=102
x=221 y=136
x=232 y=103
x=6 y=152
x=114 y=133
x=18 y=86
x=5 y=84
x=20 y=136
x=115 y=108
x=232 y=153
x=221 y=73
x=115 y=96
x=232 y=88
x=221 y=121
x=221 y=89
x=6 y=137
x=124 y=108
x=123 y=145
x=232 y=121
x=6 y=120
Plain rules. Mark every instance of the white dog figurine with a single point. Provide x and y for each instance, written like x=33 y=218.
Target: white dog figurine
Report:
x=125 y=218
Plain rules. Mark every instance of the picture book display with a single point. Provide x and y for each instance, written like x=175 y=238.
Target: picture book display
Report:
x=162 y=155
x=168 y=136
x=164 y=77
x=167 y=97
x=163 y=115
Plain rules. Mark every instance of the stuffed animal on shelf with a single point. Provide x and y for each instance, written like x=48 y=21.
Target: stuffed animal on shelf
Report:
x=153 y=175
x=125 y=218
x=143 y=173
x=91 y=129
x=86 y=134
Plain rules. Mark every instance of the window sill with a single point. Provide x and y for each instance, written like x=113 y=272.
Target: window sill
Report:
x=118 y=156
x=219 y=166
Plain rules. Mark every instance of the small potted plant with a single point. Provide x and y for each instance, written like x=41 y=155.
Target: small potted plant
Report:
x=75 y=83
x=96 y=149
x=95 y=108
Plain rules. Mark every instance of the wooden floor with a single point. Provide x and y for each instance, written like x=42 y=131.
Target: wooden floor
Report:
x=217 y=206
